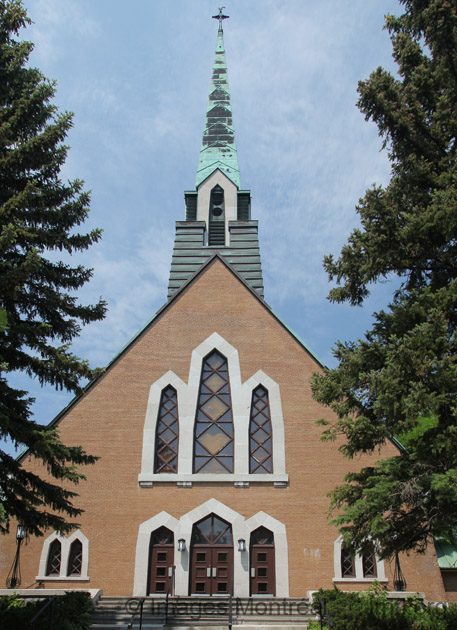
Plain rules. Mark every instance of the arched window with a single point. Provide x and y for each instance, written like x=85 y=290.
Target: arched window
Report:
x=54 y=558
x=167 y=433
x=353 y=566
x=369 y=565
x=75 y=558
x=260 y=439
x=347 y=563
x=213 y=443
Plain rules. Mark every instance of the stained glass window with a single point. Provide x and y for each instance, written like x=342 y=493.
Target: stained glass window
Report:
x=54 y=557
x=213 y=447
x=75 y=558
x=260 y=438
x=167 y=433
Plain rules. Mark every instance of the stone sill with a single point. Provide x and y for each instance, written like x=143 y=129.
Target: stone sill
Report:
x=360 y=580
x=186 y=480
x=55 y=578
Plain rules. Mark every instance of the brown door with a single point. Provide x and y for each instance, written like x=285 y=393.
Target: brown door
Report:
x=161 y=557
x=211 y=557
x=263 y=580
x=211 y=570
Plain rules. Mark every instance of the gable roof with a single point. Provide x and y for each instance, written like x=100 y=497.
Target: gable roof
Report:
x=163 y=309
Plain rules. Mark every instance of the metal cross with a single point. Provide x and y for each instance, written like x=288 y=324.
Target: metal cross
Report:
x=220 y=17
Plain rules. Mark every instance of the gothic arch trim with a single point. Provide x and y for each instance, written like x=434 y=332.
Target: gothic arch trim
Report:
x=358 y=565
x=261 y=519
x=241 y=396
x=65 y=551
x=142 y=548
x=241 y=528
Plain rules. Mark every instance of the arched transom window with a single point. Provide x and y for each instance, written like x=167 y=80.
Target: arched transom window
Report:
x=212 y=531
x=213 y=447
x=260 y=445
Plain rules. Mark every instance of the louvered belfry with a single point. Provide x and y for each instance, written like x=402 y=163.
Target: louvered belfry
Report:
x=218 y=211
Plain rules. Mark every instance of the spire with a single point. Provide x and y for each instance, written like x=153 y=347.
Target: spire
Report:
x=218 y=145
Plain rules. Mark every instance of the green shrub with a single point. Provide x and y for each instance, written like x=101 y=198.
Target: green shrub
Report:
x=371 y=610
x=71 y=611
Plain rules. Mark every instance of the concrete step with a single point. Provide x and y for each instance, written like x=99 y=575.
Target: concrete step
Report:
x=208 y=613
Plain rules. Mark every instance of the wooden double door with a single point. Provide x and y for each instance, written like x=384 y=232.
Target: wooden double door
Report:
x=212 y=569
x=211 y=566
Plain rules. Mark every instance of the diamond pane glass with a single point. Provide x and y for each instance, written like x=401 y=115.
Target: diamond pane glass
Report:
x=214 y=408
x=213 y=448
x=54 y=556
x=166 y=456
x=214 y=466
x=214 y=439
x=260 y=460
x=369 y=565
x=75 y=559
x=347 y=563
x=215 y=382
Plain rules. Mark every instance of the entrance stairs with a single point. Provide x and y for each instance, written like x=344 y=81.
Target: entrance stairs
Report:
x=208 y=613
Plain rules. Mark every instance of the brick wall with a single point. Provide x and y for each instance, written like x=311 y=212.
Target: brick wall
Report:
x=108 y=421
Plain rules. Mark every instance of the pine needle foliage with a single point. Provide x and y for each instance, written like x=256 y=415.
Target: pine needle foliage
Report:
x=39 y=313
x=400 y=380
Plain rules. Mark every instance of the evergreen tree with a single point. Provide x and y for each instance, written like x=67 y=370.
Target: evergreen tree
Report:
x=400 y=381
x=39 y=313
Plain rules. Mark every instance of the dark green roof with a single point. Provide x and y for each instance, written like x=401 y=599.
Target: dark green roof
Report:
x=218 y=144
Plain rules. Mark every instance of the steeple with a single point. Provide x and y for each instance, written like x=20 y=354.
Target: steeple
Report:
x=218 y=213
x=218 y=144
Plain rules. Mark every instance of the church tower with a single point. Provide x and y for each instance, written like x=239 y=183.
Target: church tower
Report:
x=218 y=211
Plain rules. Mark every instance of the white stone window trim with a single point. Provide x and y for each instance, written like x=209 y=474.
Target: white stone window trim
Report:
x=241 y=395
x=241 y=528
x=358 y=565
x=64 y=557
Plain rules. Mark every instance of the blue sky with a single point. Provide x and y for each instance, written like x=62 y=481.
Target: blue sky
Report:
x=137 y=75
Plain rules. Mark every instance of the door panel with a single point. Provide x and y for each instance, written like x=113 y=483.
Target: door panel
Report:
x=263 y=580
x=160 y=568
x=211 y=570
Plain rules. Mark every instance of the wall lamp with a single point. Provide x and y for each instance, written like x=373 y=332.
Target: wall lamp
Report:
x=14 y=576
x=241 y=544
x=181 y=544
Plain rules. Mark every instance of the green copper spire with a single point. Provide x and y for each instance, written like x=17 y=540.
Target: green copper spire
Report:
x=218 y=145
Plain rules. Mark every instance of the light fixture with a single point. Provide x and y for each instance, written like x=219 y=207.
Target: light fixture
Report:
x=13 y=579
x=20 y=532
x=181 y=544
x=399 y=578
x=241 y=544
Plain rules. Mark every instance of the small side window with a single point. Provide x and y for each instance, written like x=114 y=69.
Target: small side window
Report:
x=54 y=558
x=75 y=558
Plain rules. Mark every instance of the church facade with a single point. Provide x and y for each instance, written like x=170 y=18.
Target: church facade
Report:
x=212 y=477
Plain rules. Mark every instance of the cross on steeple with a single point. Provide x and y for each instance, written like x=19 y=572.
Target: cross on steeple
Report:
x=220 y=17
